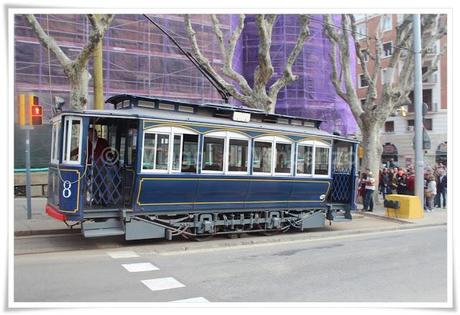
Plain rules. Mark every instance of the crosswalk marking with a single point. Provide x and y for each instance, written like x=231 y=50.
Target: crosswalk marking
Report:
x=192 y=300
x=122 y=254
x=138 y=267
x=162 y=284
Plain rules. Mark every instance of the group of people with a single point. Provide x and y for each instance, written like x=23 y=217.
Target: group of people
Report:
x=396 y=180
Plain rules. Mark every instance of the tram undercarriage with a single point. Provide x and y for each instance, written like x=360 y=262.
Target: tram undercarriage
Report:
x=199 y=225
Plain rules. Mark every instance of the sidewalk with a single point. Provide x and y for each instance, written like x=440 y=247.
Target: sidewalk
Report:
x=41 y=223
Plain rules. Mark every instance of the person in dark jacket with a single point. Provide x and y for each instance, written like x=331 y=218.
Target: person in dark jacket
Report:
x=402 y=184
x=441 y=188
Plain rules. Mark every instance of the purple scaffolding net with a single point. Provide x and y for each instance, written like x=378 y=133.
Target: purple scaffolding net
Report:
x=139 y=59
x=313 y=94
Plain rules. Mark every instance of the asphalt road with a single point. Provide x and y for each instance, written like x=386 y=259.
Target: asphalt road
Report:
x=392 y=266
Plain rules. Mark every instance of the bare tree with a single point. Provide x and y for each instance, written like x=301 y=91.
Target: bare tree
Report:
x=260 y=95
x=75 y=70
x=398 y=81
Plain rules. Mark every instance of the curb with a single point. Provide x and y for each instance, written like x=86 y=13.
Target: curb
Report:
x=383 y=217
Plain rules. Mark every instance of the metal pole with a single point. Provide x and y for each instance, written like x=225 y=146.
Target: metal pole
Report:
x=418 y=109
x=98 y=76
x=28 y=194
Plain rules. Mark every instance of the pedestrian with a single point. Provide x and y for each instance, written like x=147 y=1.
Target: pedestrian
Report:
x=385 y=183
x=369 y=194
x=402 y=184
x=410 y=183
x=362 y=186
x=430 y=192
x=441 y=188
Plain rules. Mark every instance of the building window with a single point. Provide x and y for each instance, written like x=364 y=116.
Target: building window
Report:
x=361 y=31
x=427 y=98
x=387 y=49
x=427 y=123
x=363 y=81
x=385 y=76
x=387 y=23
x=389 y=126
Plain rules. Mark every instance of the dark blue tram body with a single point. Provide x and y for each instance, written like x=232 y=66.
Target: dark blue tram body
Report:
x=173 y=168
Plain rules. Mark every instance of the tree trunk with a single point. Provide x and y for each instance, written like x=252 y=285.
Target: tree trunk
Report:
x=372 y=152
x=79 y=80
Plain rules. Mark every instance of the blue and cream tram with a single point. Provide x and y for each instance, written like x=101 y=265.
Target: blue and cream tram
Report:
x=155 y=168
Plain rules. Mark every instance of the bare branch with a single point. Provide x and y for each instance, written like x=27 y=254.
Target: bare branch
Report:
x=340 y=42
x=264 y=69
x=288 y=76
x=48 y=41
x=204 y=62
x=229 y=51
x=100 y=26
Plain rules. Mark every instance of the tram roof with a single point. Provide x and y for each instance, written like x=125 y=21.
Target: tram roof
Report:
x=216 y=114
x=134 y=101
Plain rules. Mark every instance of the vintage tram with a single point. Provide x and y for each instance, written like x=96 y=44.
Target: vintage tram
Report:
x=156 y=168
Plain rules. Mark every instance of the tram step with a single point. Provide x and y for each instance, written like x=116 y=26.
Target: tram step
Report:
x=109 y=227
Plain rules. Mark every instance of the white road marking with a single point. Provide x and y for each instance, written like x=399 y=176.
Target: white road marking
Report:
x=122 y=254
x=162 y=284
x=139 y=267
x=192 y=300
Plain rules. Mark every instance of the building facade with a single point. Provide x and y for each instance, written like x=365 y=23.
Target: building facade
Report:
x=398 y=132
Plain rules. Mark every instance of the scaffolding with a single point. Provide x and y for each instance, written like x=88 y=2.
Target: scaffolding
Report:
x=139 y=59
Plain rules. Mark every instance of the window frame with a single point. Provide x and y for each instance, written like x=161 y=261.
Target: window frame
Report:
x=305 y=144
x=359 y=81
x=67 y=140
x=274 y=140
x=315 y=144
x=383 y=50
x=227 y=136
x=390 y=18
x=171 y=132
x=55 y=131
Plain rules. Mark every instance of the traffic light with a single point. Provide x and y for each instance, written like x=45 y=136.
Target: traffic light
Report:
x=35 y=110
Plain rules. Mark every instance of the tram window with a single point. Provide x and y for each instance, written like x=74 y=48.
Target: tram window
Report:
x=238 y=154
x=55 y=144
x=72 y=141
x=262 y=157
x=283 y=158
x=176 y=152
x=342 y=156
x=75 y=140
x=304 y=159
x=213 y=154
x=149 y=151
x=322 y=161
x=162 y=150
x=189 y=153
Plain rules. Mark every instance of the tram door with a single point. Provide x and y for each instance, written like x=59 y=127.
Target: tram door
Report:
x=111 y=159
x=342 y=168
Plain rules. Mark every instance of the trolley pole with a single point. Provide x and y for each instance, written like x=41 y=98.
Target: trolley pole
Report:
x=418 y=109
x=28 y=193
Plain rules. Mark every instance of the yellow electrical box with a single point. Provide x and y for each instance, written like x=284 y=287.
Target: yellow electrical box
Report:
x=409 y=207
